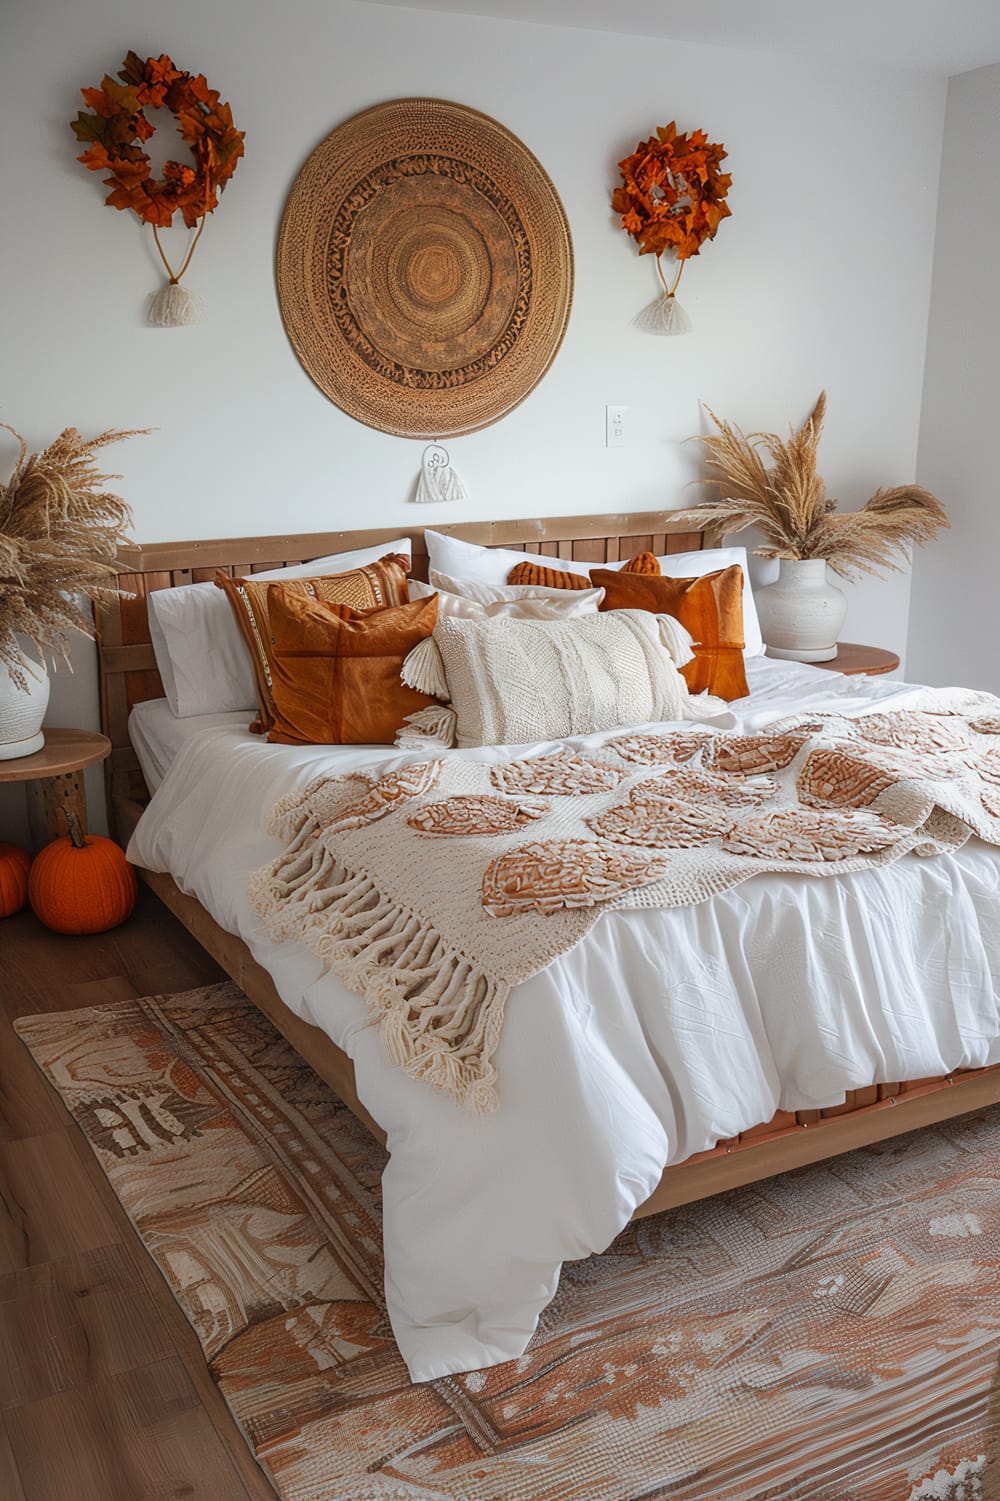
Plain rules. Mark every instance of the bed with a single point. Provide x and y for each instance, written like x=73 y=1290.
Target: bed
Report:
x=736 y=1119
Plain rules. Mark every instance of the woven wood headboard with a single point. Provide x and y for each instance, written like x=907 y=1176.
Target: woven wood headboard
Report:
x=128 y=667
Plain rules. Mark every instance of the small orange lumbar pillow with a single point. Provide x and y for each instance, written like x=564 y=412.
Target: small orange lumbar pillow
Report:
x=710 y=607
x=559 y=578
x=15 y=864
x=546 y=577
x=335 y=671
x=81 y=883
x=381 y=583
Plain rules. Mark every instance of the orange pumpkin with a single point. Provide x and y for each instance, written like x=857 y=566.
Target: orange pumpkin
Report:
x=14 y=866
x=81 y=883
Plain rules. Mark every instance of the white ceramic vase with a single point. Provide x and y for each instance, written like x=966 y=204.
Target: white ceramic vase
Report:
x=22 y=710
x=802 y=613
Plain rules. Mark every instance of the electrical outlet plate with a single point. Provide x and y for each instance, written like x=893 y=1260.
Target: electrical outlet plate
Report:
x=615 y=426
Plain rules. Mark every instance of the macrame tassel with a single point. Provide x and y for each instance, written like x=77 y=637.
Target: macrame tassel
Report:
x=664 y=315
x=677 y=639
x=438 y=480
x=435 y=726
x=173 y=306
x=423 y=670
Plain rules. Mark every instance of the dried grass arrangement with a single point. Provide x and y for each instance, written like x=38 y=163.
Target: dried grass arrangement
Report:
x=788 y=502
x=59 y=533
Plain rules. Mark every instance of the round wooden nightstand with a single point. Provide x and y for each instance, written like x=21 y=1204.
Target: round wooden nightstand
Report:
x=54 y=780
x=852 y=660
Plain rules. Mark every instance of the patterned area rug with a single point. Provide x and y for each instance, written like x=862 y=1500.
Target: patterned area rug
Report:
x=829 y=1335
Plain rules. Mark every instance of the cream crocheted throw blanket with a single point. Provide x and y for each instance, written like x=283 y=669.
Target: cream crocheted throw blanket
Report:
x=434 y=889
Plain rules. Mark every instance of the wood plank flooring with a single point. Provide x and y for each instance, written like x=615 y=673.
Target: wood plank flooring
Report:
x=104 y=1395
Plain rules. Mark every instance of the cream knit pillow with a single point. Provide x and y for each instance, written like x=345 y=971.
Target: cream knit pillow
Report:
x=512 y=682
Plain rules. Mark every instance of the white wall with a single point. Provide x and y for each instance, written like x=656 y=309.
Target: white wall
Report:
x=820 y=278
x=955 y=621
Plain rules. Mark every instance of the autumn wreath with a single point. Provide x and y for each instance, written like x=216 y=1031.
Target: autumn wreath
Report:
x=673 y=195
x=118 y=126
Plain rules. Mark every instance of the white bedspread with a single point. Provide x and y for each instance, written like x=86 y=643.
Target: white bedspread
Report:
x=660 y=1033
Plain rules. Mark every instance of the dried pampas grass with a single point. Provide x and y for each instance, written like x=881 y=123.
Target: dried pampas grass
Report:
x=787 y=501
x=59 y=534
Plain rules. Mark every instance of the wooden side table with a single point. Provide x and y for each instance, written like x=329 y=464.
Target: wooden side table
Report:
x=53 y=778
x=852 y=660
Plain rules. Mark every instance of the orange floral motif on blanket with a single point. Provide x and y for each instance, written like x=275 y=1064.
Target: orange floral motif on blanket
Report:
x=475 y=814
x=553 y=875
x=651 y=816
x=563 y=773
x=835 y=778
x=385 y=795
x=749 y=754
x=799 y=834
x=926 y=733
x=652 y=750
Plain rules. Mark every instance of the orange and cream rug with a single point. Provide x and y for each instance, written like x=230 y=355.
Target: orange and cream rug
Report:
x=830 y=1335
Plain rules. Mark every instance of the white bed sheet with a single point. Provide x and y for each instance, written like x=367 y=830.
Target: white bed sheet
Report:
x=157 y=734
x=659 y=1033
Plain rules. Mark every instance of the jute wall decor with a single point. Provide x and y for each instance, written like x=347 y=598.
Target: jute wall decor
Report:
x=425 y=268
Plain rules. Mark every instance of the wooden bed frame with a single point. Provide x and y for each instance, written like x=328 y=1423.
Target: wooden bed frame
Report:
x=128 y=676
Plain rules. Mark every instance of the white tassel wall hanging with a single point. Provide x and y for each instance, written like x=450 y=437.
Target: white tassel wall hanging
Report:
x=173 y=306
x=664 y=315
x=438 y=480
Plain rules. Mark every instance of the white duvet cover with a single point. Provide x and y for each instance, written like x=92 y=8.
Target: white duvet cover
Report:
x=661 y=1032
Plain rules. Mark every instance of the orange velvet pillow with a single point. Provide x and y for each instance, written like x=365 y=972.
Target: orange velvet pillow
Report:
x=710 y=607
x=559 y=578
x=381 y=583
x=335 y=671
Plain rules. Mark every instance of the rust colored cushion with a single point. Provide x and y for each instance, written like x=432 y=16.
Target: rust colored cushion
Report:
x=710 y=607
x=546 y=577
x=377 y=584
x=335 y=671
x=643 y=562
x=558 y=578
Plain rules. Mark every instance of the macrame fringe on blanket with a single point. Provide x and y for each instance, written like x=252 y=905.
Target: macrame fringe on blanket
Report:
x=440 y=1016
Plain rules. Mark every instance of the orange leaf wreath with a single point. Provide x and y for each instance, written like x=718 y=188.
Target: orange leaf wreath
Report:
x=118 y=125
x=674 y=192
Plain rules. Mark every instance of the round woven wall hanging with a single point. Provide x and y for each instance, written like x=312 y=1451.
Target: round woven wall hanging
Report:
x=425 y=268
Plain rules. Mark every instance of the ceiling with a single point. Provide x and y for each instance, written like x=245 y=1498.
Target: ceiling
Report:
x=938 y=36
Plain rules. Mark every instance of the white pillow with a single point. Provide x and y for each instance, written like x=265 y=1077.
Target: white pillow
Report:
x=487 y=565
x=520 y=601
x=465 y=562
x=514 y=682
x=201 y=656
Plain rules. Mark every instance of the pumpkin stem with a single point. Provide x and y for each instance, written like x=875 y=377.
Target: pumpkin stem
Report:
x=75 y=831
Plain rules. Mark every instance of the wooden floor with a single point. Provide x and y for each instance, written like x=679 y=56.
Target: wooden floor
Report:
x=104 y=1395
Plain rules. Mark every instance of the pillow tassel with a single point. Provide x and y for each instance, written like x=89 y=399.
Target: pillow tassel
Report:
x=423 y=670
x=675 y=637
x=436 y=726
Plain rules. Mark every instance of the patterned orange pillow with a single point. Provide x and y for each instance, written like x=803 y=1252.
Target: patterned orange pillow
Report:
x=559 y=578
x=710 y=607
x=336 y=671
x=381 y=583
